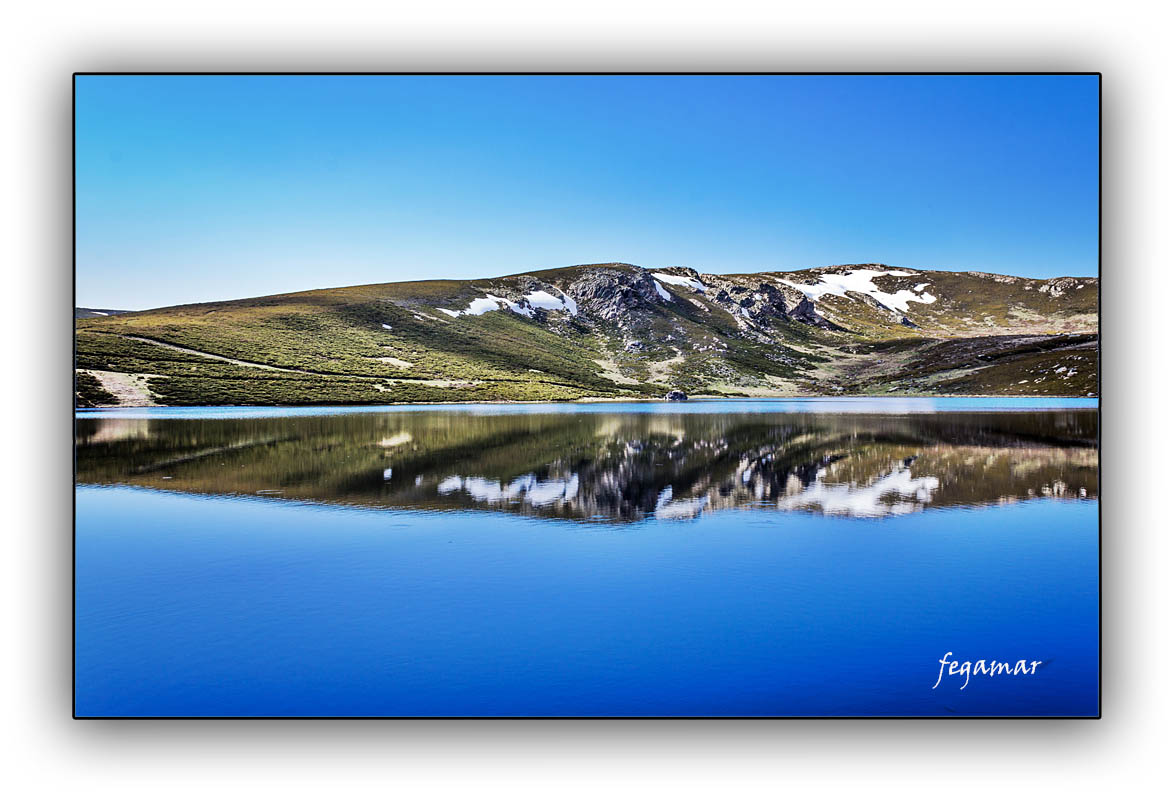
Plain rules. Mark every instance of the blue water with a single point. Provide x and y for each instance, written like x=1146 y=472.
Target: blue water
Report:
x=217 y=605
x=869 y=405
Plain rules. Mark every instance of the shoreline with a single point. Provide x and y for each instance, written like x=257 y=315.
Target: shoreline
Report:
x=589 y=400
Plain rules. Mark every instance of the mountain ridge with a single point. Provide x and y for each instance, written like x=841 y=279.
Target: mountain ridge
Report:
x=607 y=330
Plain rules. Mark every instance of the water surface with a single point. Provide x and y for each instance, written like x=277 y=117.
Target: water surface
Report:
x=736 y=557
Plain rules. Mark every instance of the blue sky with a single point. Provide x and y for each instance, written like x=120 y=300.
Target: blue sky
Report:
x=202 y=188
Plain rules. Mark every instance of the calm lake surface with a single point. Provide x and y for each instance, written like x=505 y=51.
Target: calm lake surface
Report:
x=728 y=557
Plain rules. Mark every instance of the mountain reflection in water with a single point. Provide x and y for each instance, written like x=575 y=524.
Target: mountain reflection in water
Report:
x=618 y=467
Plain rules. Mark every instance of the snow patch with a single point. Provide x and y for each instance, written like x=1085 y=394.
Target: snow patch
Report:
x=860 y=281
x=524 y=306
x=572 y=306
x=664 y=295
x=681 y=280
x=543 y=299
x=483 y=305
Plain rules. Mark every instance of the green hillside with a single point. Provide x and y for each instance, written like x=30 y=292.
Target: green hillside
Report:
x=604 y=331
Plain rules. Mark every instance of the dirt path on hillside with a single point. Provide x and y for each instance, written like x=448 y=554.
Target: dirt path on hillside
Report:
x=136 y=391
x=131 y=390
x=438 y=383
x=211 y=356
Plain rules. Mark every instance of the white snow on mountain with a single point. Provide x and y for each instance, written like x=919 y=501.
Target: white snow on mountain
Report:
x=542 y=299
x=680 y=280
x=524 y=306
x=860 y=281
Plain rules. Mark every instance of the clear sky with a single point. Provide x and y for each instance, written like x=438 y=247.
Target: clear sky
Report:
x=201 y=188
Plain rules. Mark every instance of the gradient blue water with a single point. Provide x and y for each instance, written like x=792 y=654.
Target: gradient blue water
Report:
x=195 y=605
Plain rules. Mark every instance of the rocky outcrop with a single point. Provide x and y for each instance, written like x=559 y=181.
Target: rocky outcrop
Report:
x=996 y=278
x=762 y=301
x=1057 y=286
x=615 y=293
x=804 y=311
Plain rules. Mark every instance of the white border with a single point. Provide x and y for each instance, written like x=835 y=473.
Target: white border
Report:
x=44 y=43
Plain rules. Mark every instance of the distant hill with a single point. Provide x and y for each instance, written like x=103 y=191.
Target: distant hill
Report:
x=90 y=313
x=606 y=331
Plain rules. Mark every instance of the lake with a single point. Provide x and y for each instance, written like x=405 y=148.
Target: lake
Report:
x=736 y=557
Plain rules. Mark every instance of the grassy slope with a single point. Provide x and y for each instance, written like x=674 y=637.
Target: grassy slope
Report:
x=330 y=342
x=1058 y=365
x=325 y=346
